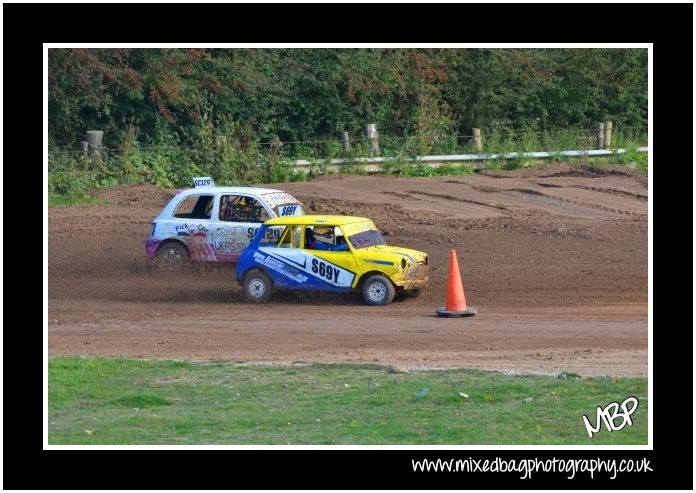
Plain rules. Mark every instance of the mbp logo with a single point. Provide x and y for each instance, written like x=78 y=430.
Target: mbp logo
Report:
x=610 y=414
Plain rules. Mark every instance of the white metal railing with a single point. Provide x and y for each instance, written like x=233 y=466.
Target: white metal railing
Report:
x=338 y=163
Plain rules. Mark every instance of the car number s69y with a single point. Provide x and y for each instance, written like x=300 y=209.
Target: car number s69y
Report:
x=288 y=210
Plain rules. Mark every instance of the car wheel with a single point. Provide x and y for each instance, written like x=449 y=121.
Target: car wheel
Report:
x=257 y=286
x=172 y=256
x=378 y=290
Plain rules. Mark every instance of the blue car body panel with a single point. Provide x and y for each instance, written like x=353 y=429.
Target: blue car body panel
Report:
x=292 y=269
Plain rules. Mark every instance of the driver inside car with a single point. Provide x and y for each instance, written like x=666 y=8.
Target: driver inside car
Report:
x=325 y=239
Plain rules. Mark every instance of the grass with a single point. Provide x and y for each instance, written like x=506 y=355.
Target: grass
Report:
x=122 y=401
x=56 y=200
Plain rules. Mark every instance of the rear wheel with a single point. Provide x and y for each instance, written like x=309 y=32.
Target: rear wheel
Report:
x=378 y=290
x=172 y=256
x=257 y=286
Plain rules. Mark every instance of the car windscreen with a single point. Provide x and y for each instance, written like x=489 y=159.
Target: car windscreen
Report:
x=368 y=238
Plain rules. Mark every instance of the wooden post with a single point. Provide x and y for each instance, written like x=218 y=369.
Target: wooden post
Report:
x=371 y=132
x=85 y=147
x=607 y=134
x=600 y=135
x=273 y=150
x=478 y=147
x=346 y=141
x=94 y=142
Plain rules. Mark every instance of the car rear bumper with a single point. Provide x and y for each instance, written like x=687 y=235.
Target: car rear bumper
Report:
x=151 y=247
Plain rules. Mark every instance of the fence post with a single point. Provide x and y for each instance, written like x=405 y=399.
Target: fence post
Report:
x=85 y=147
x=600 y=135
x=371 y=132
x=273 y=151
x=221 y=141
x=478 y=147
x=346 y=141
x=607 y=134
x=94 y=142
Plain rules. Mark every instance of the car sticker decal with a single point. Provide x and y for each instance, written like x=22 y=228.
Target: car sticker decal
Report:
x=290 y=210
x=203 y=181
x=279 y=267
x=200 y=249
x=303 y=265
x=229 y=244
x=380 y=262
x=317 y=267
x=403 y=254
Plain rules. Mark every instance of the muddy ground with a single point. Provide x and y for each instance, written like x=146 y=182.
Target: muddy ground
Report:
x=555 y=259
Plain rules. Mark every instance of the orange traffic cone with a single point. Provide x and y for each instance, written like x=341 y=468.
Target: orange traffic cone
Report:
x=456 y=302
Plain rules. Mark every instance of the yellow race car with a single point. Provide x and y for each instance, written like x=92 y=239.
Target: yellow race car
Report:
x=329 y=253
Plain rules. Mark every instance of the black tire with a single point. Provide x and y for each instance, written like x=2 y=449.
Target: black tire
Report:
x=172 y=256
x=257 y=286
x=377 y=290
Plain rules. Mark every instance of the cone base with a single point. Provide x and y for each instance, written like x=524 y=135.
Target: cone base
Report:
x=469 y=312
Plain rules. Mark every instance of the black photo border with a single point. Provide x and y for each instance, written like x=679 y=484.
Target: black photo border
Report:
x=668 y=27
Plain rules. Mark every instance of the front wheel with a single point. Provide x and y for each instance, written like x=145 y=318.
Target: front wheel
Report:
x=257 y=286
x=378 y=290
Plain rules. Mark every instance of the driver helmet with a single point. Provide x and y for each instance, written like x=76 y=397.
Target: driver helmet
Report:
x=327 y=234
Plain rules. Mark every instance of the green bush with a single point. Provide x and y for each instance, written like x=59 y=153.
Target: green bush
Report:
x=453 y=170
x=71 y=182
x=633 y=156
x=241 y=158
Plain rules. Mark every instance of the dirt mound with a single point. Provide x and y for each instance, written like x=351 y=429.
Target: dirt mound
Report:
x=143 y=195
x=574 y=170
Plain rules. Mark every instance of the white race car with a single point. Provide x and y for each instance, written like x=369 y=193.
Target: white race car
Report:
x=214 y=224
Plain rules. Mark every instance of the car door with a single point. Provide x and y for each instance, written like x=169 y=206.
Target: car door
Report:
x=338 y=269
x=190 y=224
x=238 y=217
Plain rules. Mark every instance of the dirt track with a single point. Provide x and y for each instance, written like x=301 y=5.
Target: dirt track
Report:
x=555 y=259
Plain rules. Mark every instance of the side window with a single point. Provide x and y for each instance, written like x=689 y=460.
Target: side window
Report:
x=195 y=207
x=241 y=209
x=289 y=237
x=325 y=238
